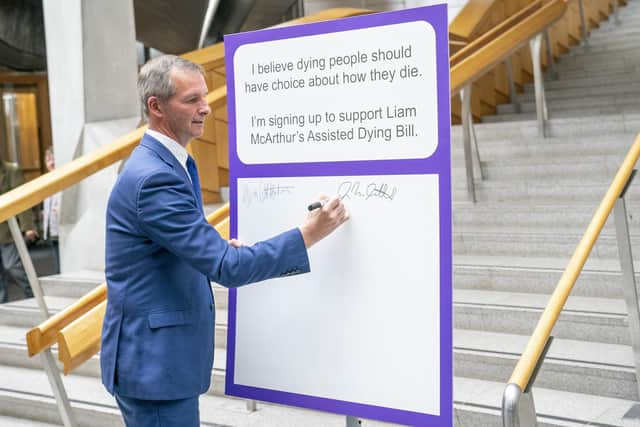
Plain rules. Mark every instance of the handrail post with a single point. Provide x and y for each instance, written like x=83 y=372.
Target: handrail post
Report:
x=353 y=421
x=23 y=252
x=616 y=15
x=583 y=21
x=48 y=361
x=512 y=85
x=465 y=97
x=59 y=392
x=628 y=277
x=476 y=150
x=550 y=62
x=518 y=408
x=541 y=104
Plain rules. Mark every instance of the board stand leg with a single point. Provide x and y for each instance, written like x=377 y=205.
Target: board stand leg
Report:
x=353 y=421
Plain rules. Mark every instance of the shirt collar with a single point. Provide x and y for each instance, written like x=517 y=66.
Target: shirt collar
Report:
x=176 y=149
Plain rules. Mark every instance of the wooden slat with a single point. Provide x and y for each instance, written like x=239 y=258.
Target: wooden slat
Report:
x=80 y=340
x=477 y=64
x=223 y=228
x=487 y=37
x=44 y=335
x=220 y=214
x=466 y=23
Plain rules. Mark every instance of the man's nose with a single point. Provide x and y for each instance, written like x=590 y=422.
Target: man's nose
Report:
x=205 y=109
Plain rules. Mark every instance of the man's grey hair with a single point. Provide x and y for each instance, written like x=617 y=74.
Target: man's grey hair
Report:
x=155 y=78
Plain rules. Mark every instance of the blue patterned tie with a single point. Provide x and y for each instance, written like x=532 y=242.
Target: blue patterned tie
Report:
x=193 y=173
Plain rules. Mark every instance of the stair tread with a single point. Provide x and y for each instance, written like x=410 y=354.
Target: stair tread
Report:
x=89 y=393
x=529 y=301
x=21 y=422
x=538 y=263
x=512 y=345
x=550 y=404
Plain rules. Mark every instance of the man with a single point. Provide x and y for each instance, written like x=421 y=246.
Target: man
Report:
x=157 y=339
x=12 y=269
x=51 y=213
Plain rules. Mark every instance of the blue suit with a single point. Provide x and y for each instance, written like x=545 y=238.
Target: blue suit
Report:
x=158 y=332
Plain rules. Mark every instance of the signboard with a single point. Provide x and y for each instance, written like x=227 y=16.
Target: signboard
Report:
x=357 y=108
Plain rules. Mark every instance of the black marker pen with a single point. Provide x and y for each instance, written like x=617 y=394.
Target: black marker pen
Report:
x=317 y=205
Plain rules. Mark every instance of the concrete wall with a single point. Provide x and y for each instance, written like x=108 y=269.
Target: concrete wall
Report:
x=91 y=58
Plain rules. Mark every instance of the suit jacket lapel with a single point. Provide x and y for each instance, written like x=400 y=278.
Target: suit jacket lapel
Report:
x=156 y=146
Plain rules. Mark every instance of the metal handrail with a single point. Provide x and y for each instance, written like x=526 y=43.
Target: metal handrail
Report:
x=531 y=357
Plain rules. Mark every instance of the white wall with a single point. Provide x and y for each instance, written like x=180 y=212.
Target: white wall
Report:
x=91 y=62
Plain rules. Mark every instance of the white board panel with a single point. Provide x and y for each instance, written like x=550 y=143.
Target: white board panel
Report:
x=348 y=315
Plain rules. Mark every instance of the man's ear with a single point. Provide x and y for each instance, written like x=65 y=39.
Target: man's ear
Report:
x=154 y=106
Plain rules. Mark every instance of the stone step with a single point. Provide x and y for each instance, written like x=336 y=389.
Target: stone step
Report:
x=603 y=369
x=534 y=218
x=593 y=111
x=479 y=403
x=71 y=285
x=592 y=103
x=570 y=365
x=598 y=70
x=602 y=45
x=25 y=393
x=630 y=86
x=593 y=319
x=600 y=279
x=611 y=32
x=26 y=314
x=565 y=127
x=534 y=244
x=21 y=422
x=476 y=403
x=563 y=191
x=545 y=169
x=596 y=60
x=585 y=83
x=547 y=151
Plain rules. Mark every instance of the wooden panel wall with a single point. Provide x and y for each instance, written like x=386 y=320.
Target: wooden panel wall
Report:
x=32 y=105
x=481 y=16
x=30 y=160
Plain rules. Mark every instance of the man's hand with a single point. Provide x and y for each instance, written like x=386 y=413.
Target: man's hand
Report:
x=30 y=235
x=323 y=221
x=236 y=243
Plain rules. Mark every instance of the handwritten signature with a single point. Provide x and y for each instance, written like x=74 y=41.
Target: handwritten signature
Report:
x=374 y=190
x=263 y=192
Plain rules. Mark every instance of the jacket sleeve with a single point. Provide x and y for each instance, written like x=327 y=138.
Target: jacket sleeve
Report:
x=168 y=213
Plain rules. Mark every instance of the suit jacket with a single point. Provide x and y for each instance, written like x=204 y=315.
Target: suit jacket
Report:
x=11 y=177
x=158 y=331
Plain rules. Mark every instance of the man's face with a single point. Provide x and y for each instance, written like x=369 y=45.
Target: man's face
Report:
x=185 y=111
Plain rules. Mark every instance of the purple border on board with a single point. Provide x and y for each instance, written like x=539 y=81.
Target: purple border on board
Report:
x=439 y=163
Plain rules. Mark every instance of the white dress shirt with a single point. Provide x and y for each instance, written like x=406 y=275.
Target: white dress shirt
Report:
x=176 y=149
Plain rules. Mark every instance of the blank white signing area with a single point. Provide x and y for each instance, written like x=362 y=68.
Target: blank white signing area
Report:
x=363 y=326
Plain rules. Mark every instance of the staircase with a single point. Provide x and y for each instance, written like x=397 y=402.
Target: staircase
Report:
x=510 y=249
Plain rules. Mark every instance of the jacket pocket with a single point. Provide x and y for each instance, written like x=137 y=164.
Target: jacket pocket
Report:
x=169 y=318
